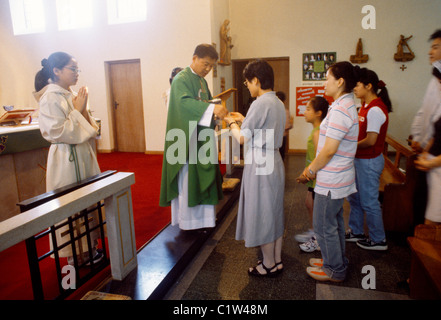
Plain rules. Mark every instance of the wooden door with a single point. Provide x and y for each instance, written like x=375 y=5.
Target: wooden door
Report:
x=127 y=107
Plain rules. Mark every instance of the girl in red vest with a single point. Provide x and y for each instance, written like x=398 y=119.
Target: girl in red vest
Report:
x=369 y=162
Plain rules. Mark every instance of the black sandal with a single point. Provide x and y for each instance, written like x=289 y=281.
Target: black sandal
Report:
x=277 y=265
x=254 y=272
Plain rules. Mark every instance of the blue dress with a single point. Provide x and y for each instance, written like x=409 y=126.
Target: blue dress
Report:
x=260 y=218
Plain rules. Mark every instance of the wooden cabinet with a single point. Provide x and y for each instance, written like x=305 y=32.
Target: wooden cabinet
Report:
x=23 y=157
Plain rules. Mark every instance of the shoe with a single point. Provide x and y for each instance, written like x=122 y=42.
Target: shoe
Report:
x=310 y=246
x=315 y=262
x=318 y=274
x=368 y=244
x=351 y=237
x=279 y=265
x=254 y=272
x=305 y=236
x=97 y=258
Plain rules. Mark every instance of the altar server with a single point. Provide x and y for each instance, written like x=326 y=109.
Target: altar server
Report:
x=66 y=123
x=191 y=185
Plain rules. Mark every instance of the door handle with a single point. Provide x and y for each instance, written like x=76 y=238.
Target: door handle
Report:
x=115 y=104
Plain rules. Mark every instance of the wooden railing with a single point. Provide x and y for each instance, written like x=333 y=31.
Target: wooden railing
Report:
x=116 y=193
x=397 y=186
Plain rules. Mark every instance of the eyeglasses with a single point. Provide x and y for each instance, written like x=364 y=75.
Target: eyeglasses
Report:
x=75 y=70
x=245 y=83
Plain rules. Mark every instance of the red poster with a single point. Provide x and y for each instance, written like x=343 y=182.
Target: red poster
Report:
x=304 y=94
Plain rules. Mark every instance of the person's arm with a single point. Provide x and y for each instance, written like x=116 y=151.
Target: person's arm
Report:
x=325 y=155
x=205 y=120
x=369 y=141
x=315 y=139
x=57 y=124
x=235 y=129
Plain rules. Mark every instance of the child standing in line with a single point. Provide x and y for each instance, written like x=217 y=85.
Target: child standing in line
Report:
x=316 y=111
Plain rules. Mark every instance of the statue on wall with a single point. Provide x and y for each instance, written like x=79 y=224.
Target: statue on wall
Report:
x=225 y=44
x=359 y=57
x=401 y=55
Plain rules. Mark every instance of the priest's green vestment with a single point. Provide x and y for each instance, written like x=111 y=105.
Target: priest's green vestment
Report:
x=189 y=96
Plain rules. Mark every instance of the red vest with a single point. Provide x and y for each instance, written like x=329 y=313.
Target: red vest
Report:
x=377 y=149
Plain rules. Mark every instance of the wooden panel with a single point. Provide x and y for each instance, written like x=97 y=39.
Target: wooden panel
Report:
x=8 y=188
x=30 y=169
x=398 y=201
x=425 y=278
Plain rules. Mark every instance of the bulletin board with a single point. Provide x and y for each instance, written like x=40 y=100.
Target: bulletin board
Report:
x=315 y=65
x=304 y=94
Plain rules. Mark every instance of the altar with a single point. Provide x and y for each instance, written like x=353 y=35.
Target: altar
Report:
x=23 y=156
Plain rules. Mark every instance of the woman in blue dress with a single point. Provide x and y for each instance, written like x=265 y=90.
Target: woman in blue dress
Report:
x=260 y=218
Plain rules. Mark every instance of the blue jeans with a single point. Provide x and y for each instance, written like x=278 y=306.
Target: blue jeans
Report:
x=329 y=229
x=367 y=179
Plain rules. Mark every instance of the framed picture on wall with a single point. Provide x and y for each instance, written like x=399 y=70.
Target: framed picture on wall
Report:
x=315 y=65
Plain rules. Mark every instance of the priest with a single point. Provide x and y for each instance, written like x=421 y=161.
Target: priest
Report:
x=191 y=180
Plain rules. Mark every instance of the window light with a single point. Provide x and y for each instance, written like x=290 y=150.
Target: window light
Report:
x=74 y=14
x=124 y=11
x=27 y=16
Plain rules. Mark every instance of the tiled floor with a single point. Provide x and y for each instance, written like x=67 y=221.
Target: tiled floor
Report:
x=220 y=270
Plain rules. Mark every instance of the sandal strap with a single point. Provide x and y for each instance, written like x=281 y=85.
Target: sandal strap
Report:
x=268 y=270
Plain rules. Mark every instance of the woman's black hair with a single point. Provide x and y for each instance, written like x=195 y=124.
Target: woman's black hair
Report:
x=436 y=73
x=281 y=95
x=174 y=72
x=319 y=103
x=367 y=76
x=56 y=60
x=261 y=70
x=345 y=70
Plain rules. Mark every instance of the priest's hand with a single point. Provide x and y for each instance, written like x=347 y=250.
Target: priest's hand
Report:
x=237 y=116
x=80 y=101
x=220 y=111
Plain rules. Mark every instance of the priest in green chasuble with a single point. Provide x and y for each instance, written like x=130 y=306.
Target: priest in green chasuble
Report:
x=191 y=180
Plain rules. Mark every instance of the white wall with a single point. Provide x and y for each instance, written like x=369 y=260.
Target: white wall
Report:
x=279 y=28
x=259 y=28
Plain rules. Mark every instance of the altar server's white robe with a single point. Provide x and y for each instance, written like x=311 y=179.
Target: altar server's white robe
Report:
x=63 y=126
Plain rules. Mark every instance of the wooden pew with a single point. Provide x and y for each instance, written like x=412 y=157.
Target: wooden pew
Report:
x=397 y=187
x=425 y=276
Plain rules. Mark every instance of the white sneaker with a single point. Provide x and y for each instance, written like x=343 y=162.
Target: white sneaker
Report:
x=310 y=246
x=305 y=236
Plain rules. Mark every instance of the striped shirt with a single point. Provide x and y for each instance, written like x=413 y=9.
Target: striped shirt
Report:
x=341 y=123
